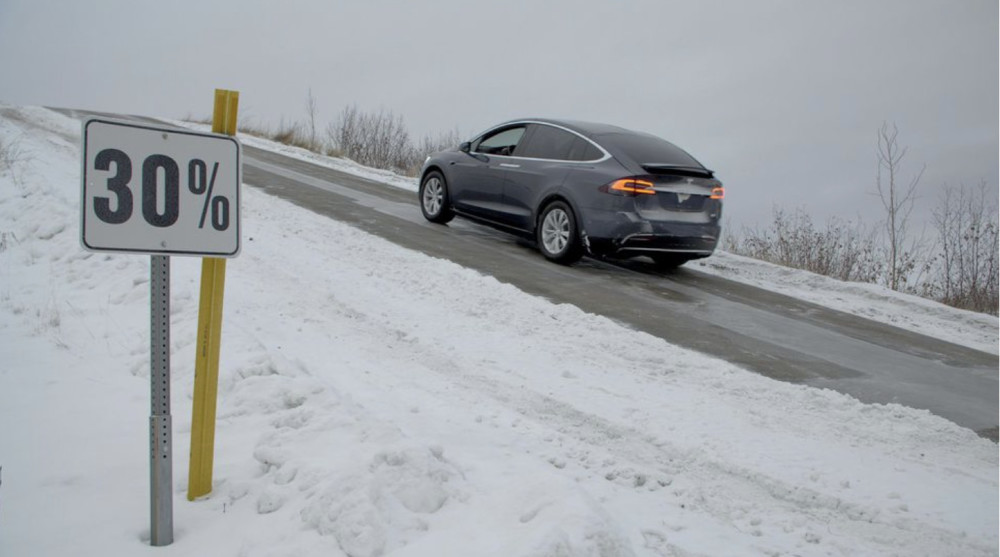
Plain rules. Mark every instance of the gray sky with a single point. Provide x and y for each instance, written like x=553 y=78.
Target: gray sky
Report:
x=782 y=98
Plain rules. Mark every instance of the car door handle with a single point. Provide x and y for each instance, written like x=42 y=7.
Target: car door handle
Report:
x=508 y=165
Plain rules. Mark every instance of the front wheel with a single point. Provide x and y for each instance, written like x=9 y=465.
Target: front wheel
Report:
x=558 y=235
x=434 y=198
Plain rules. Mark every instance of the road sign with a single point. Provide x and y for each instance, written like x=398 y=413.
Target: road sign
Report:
x=161 y=191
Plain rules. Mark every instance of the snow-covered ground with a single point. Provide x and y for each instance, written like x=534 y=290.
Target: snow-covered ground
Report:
x=376 y=401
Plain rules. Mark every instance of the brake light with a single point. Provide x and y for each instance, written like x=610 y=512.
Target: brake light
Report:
x=632 y=186
x=718 y=193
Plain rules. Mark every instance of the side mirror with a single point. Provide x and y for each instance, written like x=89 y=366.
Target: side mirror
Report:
x=465 y=147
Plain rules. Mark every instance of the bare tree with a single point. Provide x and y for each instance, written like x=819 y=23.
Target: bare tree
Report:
x=966 y=222
x=897 y=200
x=311 y=114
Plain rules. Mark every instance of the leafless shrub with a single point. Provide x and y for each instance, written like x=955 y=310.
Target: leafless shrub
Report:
x=429 y=145
x=14 y=160
x=11 y=153
x=843 y=249
x=377 y=139
x=434 y=143
x=964 y=272
x=966 y=223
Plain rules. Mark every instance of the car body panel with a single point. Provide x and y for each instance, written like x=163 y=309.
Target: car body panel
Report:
x=526 y=183
x=478 y=185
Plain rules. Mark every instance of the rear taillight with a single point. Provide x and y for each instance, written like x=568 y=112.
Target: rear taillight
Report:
x=629 y=186
x=718 y=193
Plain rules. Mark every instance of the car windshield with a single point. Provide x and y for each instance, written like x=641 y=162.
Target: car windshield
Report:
x=649 y=149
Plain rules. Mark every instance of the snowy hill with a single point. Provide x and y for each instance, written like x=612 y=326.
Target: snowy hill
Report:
x=364 y=411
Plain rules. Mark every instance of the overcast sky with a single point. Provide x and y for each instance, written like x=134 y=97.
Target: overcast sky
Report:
x=782 y=98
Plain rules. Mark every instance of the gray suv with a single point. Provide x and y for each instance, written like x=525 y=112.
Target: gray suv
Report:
x=577 y=188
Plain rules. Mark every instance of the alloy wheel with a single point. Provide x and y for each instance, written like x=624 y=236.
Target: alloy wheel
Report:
x=555 y=231
x=433 y=196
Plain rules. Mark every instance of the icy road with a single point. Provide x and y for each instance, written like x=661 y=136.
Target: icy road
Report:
x=778 y=336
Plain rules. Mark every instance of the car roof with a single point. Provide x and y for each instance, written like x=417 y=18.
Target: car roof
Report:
x=590 y=129
x=601 y=133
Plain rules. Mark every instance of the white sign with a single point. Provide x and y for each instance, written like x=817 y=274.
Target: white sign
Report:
x=161 y=191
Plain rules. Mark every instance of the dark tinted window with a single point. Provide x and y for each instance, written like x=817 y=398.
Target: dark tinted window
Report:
x=547 y=142
x=501 y=142
x=583 y=150
x=648 y=149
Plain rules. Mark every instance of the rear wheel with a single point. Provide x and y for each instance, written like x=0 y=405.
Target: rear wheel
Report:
x=558 y=235
x=434 y=198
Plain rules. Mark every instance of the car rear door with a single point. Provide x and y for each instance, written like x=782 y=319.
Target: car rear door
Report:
x=540 y=165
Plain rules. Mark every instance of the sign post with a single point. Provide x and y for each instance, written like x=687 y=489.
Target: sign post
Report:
x=206 y=362
x=135 y=199
x=160 y=440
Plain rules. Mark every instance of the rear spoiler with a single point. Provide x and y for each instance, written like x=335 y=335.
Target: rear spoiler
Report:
x=681 y=170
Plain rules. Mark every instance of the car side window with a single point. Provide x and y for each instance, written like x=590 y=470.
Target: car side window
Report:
x=547 y=142
x=502 y=142
x=583 y=150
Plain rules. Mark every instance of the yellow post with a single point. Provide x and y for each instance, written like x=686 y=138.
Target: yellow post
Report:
x=206 y=365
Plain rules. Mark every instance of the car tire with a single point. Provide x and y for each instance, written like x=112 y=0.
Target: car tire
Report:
x=433 y=196
x=558 y=235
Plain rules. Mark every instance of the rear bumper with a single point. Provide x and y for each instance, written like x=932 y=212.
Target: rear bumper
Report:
x=627 y=234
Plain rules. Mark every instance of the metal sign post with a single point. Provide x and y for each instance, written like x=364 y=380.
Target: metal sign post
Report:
x=162 y=192
x=160 y=470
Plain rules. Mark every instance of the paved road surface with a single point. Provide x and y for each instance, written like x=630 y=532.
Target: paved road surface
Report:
x=777 y=336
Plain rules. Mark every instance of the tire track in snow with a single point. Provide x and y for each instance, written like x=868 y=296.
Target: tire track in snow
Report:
x=695 y=481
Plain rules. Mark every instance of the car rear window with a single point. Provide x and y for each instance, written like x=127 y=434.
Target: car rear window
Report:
x=546 y=142
x=583 y=150
x=649 y=149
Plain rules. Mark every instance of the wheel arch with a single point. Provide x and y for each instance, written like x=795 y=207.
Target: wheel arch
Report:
x=546 y=201
x=576 y=245
x=428 y=170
